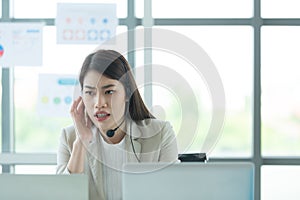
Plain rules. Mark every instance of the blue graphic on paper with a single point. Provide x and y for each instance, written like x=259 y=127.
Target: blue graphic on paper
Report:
x=93 y=20
x=104 y=34
x=68 y=100
x=67 y=81
x=105 y=21
x=92 y=34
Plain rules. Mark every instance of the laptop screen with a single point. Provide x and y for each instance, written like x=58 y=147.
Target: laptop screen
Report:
x=216 y=181
x=43 y=187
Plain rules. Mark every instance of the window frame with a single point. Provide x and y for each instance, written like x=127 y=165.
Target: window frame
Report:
x=8 y=159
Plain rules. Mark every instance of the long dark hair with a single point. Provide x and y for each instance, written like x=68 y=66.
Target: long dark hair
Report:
x=113 y=65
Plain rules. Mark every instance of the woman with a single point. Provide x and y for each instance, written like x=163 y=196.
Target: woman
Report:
x=112 y=126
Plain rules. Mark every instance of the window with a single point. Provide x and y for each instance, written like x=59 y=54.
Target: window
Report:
x=280 y=182
x=139 y=9
x=230 y=48
x=47 y=9
x=36 y=133
x=202 y=9
x=1 y=112
x=35 y=169
x=57 y=59
x=280 y=91
x=254 y=47
x=280 y=9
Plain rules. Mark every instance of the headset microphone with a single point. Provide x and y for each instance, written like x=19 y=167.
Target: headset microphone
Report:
x=111 y=132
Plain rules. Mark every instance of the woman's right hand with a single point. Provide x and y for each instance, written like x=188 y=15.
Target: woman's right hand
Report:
x=82 y=122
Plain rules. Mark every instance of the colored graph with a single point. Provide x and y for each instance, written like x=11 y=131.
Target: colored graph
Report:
x=1 y=50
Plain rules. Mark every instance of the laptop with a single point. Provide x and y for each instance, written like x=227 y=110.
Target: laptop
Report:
x=43 y=187
x=208 y=181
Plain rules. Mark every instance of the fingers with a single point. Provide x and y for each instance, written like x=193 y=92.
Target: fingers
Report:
x=77 y=106
x=80 y=107
x=82 y=122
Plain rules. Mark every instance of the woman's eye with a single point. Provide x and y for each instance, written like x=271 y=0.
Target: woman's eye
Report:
x=109 y=92
x=89 y=92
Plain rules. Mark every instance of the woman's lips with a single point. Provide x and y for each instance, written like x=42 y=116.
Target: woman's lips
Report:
x=101 y=116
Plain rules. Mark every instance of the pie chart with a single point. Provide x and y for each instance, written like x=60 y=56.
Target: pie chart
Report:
x=1 y=51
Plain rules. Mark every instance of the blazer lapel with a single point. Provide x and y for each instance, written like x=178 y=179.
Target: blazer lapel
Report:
x=132 y=145
x=130 y=152
x=94 y=161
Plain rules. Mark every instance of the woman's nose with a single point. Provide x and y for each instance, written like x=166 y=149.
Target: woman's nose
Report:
x=100 y=102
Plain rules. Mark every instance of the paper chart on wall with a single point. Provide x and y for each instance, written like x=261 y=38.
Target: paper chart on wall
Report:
x=85 y=23
x=56 y=94
x=21 y=44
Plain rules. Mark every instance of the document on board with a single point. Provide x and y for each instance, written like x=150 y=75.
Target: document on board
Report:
x=78 y=23
x=21 y=44
x=56 y=94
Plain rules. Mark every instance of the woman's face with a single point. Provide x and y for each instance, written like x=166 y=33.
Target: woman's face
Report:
x=104 y=100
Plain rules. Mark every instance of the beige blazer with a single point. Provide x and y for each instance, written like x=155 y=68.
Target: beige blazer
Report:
x=154 y=141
